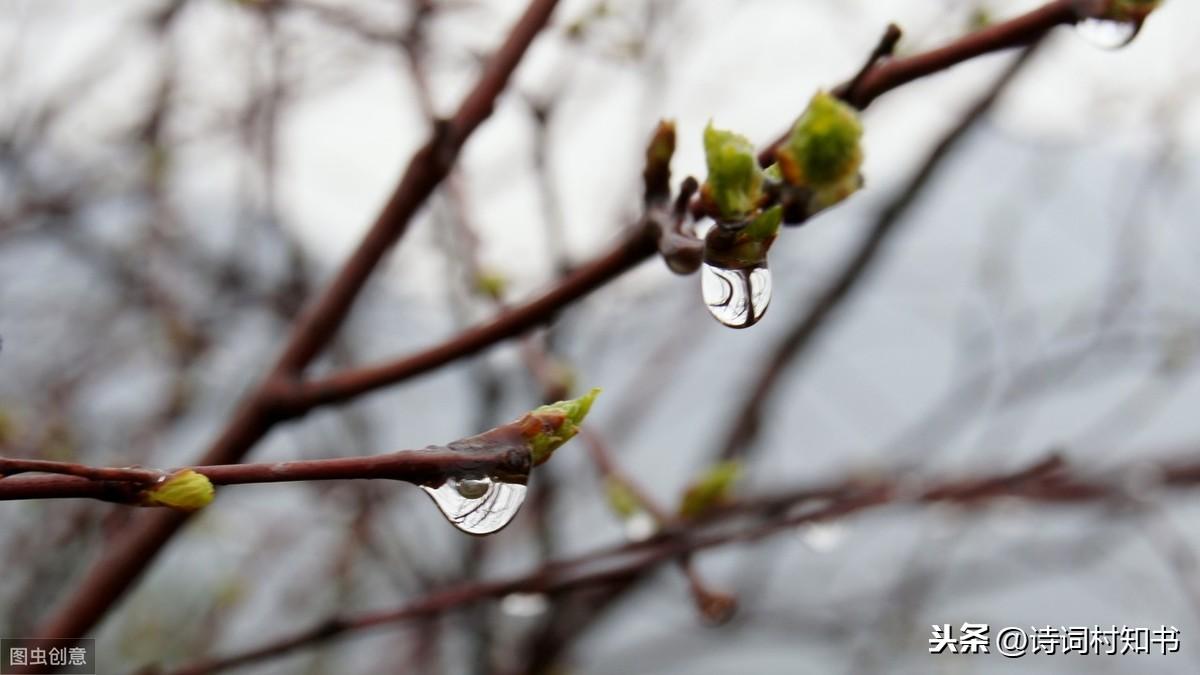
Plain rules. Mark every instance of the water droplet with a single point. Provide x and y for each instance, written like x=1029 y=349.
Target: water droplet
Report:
x=524 y=605
x=1107 y=34
x=822 y=537
x=477 y=506
x=640 y=526
x=737 y=298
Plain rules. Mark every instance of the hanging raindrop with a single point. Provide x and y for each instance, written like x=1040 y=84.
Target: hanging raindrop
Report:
x=737 y=298
x=1106 y=33
x=479 y=505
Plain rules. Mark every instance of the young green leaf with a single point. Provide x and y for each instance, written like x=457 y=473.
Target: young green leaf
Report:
x=545 y=429
x=824 y=149
x=765 y=225
x=735 y=181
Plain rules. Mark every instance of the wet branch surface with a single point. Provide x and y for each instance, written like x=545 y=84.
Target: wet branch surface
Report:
x=284 y=393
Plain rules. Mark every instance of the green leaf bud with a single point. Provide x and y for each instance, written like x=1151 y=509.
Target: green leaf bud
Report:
x=711 y=489
x=765 y=225
x=824 y=147
x=545 y=429
x=735 y=181
x=184 y=490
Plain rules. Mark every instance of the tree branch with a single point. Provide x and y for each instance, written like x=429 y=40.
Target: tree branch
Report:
x=1048 y=481
x=430 y=466
x=128 y=555
x=632 y=249
x=881 y=74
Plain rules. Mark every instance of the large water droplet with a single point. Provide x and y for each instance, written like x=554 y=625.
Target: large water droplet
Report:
x=1107 y=34
x=737 y=298
x=477 y=506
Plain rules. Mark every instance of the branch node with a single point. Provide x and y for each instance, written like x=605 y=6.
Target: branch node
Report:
x=884 y=49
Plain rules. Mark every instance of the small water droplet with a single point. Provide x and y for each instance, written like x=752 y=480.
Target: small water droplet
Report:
x=524 y=605
x=822 y=537
x=1107 y=34
x=640 y=526
x=477 y=506
x=737 y=298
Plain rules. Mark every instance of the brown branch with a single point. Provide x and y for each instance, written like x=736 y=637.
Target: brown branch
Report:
x=885 y=48
x=11 y=467
x=128 y=555
x=635 y=247
x=1047 y=481
x=1025 y=29
x=430 y=466
x=882 y=75
x=425 y=171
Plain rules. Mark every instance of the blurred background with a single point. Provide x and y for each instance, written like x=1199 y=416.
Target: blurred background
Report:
x=178 y=177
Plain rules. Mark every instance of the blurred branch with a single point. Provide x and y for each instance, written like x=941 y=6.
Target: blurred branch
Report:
x=342 y=386
x=1049 y=481
x=131 y=553
x=715 y=606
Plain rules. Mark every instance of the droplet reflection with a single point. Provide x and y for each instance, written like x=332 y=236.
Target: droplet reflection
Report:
x=737 y=298
x=478 y=506
x=524 y=605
